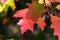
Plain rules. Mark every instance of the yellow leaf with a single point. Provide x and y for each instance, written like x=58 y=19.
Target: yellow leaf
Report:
x=41 y=1
x=58 y=7
x=10 y=3
x=1 y=9
x=46 y=2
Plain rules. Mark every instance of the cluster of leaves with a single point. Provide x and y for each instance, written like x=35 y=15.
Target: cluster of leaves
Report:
x=41 y=12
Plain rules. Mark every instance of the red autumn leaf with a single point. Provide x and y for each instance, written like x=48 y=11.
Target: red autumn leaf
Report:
x=21 y=13
x=30 y=16
x=41 y=23
x=54 y=0
x=26 y=24
x=35 y=11
x=51 y=0
x=56 y=25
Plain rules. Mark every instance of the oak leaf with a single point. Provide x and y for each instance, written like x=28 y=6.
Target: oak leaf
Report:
x=30 y=16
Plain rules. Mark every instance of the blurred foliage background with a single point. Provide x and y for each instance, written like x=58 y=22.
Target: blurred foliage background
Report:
x=10 y=31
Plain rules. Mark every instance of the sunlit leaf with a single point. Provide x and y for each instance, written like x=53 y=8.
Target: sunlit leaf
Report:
x=10 y=3
x=1 y=9
x=58 y=7
x=41 y=1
